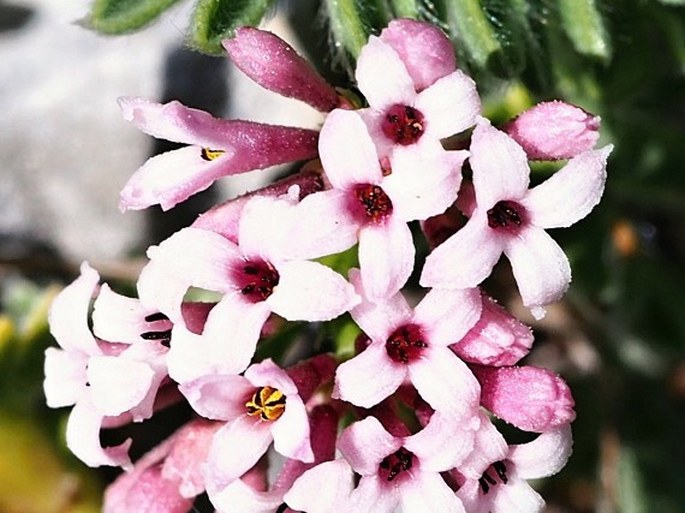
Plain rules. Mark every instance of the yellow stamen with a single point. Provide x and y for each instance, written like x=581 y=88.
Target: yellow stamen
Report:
x=209 y=154
x=267 y=402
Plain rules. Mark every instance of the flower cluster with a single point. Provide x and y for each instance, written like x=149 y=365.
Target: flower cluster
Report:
x=408 y=421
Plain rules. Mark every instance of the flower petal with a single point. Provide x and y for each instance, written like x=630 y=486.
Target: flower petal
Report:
x=386 y=258
x=65 y=377
x=444 y=443
x=427 y=491
x=311 y=291
x=267 y=374
x=343 y=130
x=365 y=443
x=218 y=397
x=117 y=384
x=371 y=494
x=545 y=455
x=425 y=50
x=369 y=377
x=322 y=489
x=291 y=431
x=448 y=314
x=382 y=77
x=239 y=494
x=274 y=65
x=540 y=267
x=500 y=166
x=570 y=193
x=121 y=319
x=450 y=105
x=466 y=258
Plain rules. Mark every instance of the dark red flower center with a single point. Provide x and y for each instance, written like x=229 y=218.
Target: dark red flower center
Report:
x=256 y=279
x=406 y=343
x=403 y=124
x=507 y=216
x=372 y=204
x=394 y=464
x=495 y=474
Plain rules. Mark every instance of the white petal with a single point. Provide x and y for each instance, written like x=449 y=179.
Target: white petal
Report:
x=466 y=258
x=539 y=265
x=448 y=315
x=118 y=384
x=218 y=397
x=427 y=491
x=570 y=193
x=365 y=443
x=322 y=489
x=369 y=377
x=382 y=77
x=373 y=496
x=545 y=455
x=444 y=443
x=118 y=318
x=291 y=431
x=499 y=164
x=311 y=291
x=240 y=497
x=65 y=377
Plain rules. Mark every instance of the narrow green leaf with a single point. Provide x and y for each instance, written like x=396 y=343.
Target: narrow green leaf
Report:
x=347 y=25
x=122 y=16
x=469 y=26
x=583 y=24
x=631 y=492
x=215 y=20
x=405 y=8
x=672 y=2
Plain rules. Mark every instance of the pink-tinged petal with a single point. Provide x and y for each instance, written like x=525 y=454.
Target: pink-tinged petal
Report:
x=244 y=322
x=530 y=398
x=267 y=374
x=540 y=267
x=386 y=258
x=447 y=315
x=378 y=320
x=369 y=377
x=291 y=431
x=515 y=497
x=499 y=164
x=554 y=130
x=445 y=382
x=83 y=438
x=236 y=448
x=153 y=355
x=310 y=291
x=224 y=218
x=365 y=443
x=322 y=489
x=444 y=443
x=264 y=222
x=174 y=176
x=347 y=152
x=570 y=193
x=65 y=377
x=187 y=456
x=323 y=225
x=274 y=65
x=218 y=397
x=145 y=492
x=427 y=491
x=425 y=50
x=68 y=315
x=424 y=180
x=372 y=494
x=497 y=339
x=239 y=496
x=161 y=290
x=382 y=77
x=466 y=258
x=489 y=447
x=118 y=318
x=118 y=384
x=373 y=119
x=450 y=105
x=544 y=456
x=202 y=259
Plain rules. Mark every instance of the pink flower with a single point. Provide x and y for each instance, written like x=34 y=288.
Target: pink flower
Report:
x=217 y=148
x=103 y=380
x=512 y=219
x=262 y=407
x=494 y=480
x=274 y=64
x=373 y=208
x=404 y=470
x=554 y=130
x=265 y=272
x=412 y=345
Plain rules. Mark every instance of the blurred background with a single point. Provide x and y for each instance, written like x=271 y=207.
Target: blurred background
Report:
x=618 y=337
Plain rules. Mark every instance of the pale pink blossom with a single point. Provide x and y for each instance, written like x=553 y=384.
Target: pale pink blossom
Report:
x=259 y=408
x=217 y=148
x=512 y=219
x=554 y=130
x=274 y=64
x=267 y=271
x=412 y=345
x=367 y=206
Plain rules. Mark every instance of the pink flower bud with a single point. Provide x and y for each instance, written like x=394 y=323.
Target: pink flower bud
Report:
x=530 y=398
x=554 y=130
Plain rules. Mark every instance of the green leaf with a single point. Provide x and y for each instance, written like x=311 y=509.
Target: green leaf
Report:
x=405 y=8
x=215 y=20
x=347 y=24
x=583 y=24
x=122 y=16
x=631 y=493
